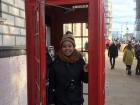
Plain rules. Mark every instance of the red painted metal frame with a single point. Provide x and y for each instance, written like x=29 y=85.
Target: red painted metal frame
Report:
x=96 y=91
x=29 y=52
x=42 y=52
x=96 y=53
x=35 y=55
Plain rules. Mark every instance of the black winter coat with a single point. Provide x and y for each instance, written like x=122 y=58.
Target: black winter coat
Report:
x=65 y=82
x=137 y=53
x=113 y=51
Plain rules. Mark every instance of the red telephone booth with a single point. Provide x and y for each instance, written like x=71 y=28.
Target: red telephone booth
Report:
x=56 y=13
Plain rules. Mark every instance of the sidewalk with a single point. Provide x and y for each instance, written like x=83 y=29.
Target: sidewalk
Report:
x=121 y=89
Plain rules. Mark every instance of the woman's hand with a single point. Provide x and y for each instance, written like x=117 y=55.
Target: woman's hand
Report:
x=86 y=68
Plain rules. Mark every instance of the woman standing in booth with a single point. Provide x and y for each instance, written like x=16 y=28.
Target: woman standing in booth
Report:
x=67 y=74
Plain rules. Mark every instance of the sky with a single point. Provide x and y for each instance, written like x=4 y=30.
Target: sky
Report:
x=123 y=15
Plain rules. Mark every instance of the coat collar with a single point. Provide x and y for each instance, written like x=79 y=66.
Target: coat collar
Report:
x=72 y=58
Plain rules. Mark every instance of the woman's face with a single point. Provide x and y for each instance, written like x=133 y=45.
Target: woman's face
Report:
x=67 y=48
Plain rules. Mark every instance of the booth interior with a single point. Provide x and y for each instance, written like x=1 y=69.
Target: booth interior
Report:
x=62 y=18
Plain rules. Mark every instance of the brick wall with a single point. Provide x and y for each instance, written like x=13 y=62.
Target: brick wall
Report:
x=12 y=32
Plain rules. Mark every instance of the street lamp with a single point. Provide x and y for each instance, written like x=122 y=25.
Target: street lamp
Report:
x=127 y=29
x=124 y=23
x=121 y=31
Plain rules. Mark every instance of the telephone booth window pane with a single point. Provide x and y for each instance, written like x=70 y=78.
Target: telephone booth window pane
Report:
x=85 y=44
x=85 y=29
x=78 y=43
x=76 y=29
x=67 y=27
x=85 y=49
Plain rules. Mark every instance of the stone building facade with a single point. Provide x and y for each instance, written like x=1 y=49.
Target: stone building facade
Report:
x=108 y=18
x=137 y=20
x=12 y=31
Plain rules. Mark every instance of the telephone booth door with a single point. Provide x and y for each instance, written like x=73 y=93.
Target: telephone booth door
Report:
x=35 y=24
x=36 y=44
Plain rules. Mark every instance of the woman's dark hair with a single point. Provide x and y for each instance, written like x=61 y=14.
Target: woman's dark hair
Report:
x=129 y=46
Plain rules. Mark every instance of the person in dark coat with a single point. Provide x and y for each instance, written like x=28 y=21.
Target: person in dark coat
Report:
x=67 y=74
x=137 y=55
x=112 y=53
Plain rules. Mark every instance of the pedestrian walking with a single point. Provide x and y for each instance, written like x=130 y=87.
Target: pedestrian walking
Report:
x=112 y=54
x=137 y=55
x=67 y=74
x=128 y=57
